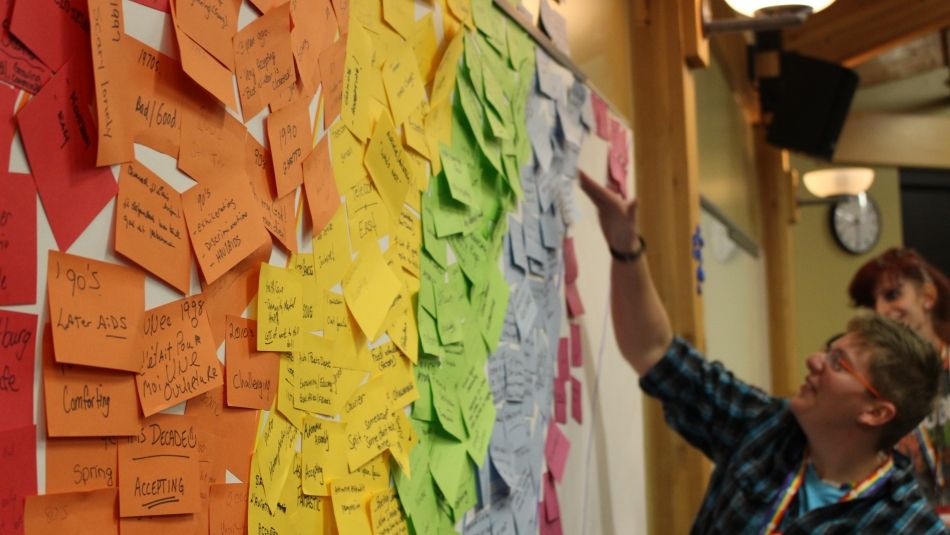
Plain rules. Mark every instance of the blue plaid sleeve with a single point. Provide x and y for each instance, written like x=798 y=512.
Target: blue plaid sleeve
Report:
x=704 y=402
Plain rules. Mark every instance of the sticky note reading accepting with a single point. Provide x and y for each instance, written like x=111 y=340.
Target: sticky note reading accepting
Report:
x=370 y=288
x=323 y=440
x=157 y=480
x=279 y=309
x=178 y=357
x=150 y=225
x=251 y=375
x=96 y=309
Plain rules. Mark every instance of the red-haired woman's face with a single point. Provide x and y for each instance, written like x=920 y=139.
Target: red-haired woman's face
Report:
x=906 y=302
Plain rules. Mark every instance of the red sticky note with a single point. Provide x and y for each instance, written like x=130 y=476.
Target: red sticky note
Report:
x=52 y=29
x=18 y=459
x=8 y=97
x=18 y=65
x=576 y=407
x=600 y=116
x=17 y=357
x=575 y=307
x=17 y=239
x=563 y=368
x=570 y=261
x=577 y=358
x=59 y=136
x=556 y=448
x=552 y=509
x=560 y=402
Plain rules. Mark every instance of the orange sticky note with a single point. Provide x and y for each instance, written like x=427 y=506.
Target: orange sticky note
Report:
x=263 y=61
x=212 y=144
x=331 y=74
x=212 y=26
x=203 y=68
x=150 y=225
x=178 y=356
x=233 y=291
x=277 y=213
x=342 y=10
x=251 y=375
x=320 y=185
x=290 y=137
x=81 y=464
x=83 y=401
x=314 y=30
x=96 y=309
x=159 y=525
x=72 y=512
x=228 y=509
x=157 y=480
x=238 y=425
x=224 y=224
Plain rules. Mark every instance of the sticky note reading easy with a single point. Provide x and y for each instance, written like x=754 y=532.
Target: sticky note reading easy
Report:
x=96 y=309
x=370 y=288
x=279 y=309
x=178 y=355
x=251 y=375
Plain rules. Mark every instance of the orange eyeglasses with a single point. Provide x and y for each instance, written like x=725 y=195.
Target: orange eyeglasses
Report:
x=839 y=362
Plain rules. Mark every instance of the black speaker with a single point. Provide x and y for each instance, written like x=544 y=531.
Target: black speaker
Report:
x=808 y=101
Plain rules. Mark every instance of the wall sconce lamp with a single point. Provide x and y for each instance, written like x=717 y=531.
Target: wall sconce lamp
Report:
x=764 y=15
x=830 y=185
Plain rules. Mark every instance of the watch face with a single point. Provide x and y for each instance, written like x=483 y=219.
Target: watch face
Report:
x=856 y=224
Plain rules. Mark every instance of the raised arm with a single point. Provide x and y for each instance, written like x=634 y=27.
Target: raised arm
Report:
x=641 y=325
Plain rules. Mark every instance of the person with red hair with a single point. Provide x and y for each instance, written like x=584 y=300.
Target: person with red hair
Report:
x=901 y=285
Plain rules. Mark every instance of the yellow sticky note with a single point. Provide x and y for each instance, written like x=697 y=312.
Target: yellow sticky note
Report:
x=401 y=327
x=401 y=384
x=386 y=514
x=462 y=9
x=346 y=154
x=349 y=496
x=420 y=177
x=279 y=309
x=400 y=14
x=408 y=240
x=403 y=83
x=274 y=455
x=408 y=439
x=375 y=474
x=356 y=79
x=367 y=215
x=370 y=288
x=444 y=81
x=287 y=392
x=322 y=386
x=414 y=130
x=324 y=442
x=262 y=518
x=388 y=167
x=370 y=426
x=311 y=299
x=331 y=252
x=425 y=46
x=438 y=130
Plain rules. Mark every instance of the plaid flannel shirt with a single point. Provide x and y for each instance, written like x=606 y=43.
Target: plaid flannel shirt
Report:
x=755 y=442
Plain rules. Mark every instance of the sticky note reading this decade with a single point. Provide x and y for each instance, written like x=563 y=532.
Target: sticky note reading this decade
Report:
x=150 y=225
x=279 y=309
x=157 y=479
x=96 y=309
x=178 y=355
x=370 y=288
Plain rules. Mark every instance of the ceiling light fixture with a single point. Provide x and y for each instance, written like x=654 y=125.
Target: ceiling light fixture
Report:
x=765 y=15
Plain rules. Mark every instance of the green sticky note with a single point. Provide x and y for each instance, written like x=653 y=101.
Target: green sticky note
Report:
x=448 y=461
x=451 y=216
x=429 y=334
x=467 y=493
x=430 y=242
x=446 y=404
x=458 y=173
x=493 y=309
x=422 y=407
x=473 y=62
x=472 y=253
x=474 y=111
x=490 y=21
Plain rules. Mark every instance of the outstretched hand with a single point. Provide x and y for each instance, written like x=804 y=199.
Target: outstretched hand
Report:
x=618 y=218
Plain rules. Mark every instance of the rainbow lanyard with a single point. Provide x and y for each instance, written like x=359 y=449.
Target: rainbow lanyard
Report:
x=793 y=482
x=927 y=449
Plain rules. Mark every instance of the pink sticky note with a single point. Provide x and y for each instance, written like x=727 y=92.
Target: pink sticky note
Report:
x=577 y=359
x=18 y=459
x=574 y=305
x=563 y=368
x=556 y=448
x=552 y=509
x=59 y=135
x=570 y=261
x=17 y=239
x=548 y=528
x=560 y=402
x=51 y=29
x=17 y=359
x=576 y=407
x=600 y=116
x=18 y=65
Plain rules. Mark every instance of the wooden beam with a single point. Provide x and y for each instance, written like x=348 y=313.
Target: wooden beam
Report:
x=695 y=44
x=900 y=140
x=777 y=192
x=919 y=56
x=664 y=126
x=852 y=31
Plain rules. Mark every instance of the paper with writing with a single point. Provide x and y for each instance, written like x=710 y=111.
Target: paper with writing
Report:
x=59 y=136
x=224 y=224
x=387 y=517
x=323 y=383
x=404 y=85
x=311 y=312
x=370 y=288
x=279 y=309
x=200 y=65
x=150 y=225
x=478 y=410
x=227 y=509
x=577 y=407
x=17 y=359
x=18 y=458
x=367 y=214
x=276 y=213
x=157 y=478
x=50 y=29
x=290 y=136
x=274 y=455
x=238 y=425
x=20 y=67
x=357 y=72
x=331 y=251
x=81 y=464
x=211 y=24
x=212 y=144
x=178 y=359
x=332 y=61
x=388 y=167
x=425 y=46
x=402 y=327
x=263 y=60
x=251 y=376
x=370 y=425
x=315 y=28
x=72 y=512
x=96 y=309
x=349 y=495
x=323 y=442
x=320 y=185
x=84 y=401
x=262 y=518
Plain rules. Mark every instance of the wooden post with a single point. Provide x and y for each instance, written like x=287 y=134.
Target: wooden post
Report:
x=666 y=162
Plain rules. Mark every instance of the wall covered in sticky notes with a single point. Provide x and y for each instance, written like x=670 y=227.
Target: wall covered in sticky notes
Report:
x=310 y=266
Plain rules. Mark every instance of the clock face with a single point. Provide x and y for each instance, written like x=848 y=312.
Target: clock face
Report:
x=856 y=224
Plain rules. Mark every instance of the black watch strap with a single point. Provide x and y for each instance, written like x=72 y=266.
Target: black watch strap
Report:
x=632 y=256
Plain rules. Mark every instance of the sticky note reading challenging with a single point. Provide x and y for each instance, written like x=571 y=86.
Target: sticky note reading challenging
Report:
x=96 y=309
x=251 y=375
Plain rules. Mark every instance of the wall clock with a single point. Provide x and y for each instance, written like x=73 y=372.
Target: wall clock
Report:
x=856 y=223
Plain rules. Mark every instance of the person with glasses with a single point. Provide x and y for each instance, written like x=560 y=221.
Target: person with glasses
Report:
x=821 y=462
x=903 y=286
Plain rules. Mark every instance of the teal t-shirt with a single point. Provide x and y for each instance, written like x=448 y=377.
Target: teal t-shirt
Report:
x=816 y=493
